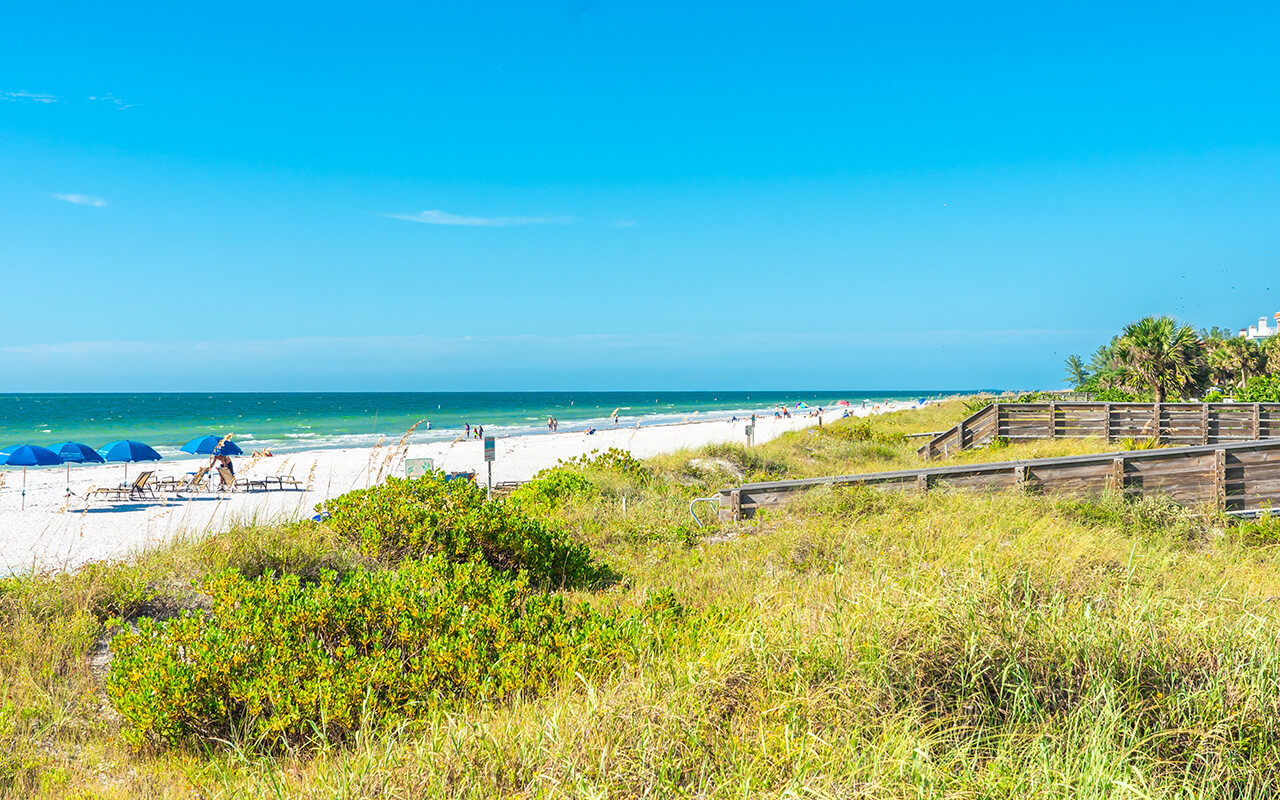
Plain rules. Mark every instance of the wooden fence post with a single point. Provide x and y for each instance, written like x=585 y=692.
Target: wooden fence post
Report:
x=1053 y=420
x=1257 y=420
x=1220 y=479
x=1117 y=474
x=1020 y=477
x=735 y=505
x=922 y=482
x=1204 y=423
x=1155 y=411
x=960 y=436
x=1106 y=422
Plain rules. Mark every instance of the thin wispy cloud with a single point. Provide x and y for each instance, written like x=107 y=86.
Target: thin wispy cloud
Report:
x=81 y=199
x=438 y=217
x=27 y=97
x=113 y=100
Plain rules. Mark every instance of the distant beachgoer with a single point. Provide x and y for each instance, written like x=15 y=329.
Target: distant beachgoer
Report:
x=468 y=429
x=479 y=431
x=551 y=423
x=428 y=424
x=591 y=431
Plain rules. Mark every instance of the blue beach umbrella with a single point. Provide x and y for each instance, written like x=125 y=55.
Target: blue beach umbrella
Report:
x=76 y=453
x=212 y=446
x=29 y=455
x=127 y=450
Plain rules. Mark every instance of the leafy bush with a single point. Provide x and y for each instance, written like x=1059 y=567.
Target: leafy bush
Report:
x=1259 y=389
x=280 y=661
x=551 y=486
x=612 y=460
x=978 y=403
x=1112 y=395
x=403 y=519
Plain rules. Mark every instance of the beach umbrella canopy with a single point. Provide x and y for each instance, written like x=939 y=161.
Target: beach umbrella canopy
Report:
x=802 y=404
x=127 y=450
x=29 y=455
x=212 y=446
x=76 y=453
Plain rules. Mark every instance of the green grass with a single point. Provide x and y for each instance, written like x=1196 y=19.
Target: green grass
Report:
x=851 y=644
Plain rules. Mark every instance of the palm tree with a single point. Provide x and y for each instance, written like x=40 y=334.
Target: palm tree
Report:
x=1160 y=354
x=1215 y=334
x=1270 y=349
x=1077 y=373
x=1237 y=359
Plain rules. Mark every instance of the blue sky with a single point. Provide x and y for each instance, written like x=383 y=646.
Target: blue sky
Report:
x=598 y=196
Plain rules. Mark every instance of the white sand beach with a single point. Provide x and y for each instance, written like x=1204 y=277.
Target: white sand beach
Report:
x=55 y=531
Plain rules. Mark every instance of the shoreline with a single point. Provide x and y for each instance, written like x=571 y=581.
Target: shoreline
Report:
x=54 y=534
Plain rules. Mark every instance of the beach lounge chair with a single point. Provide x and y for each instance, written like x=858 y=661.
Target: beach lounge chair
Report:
x=140 y=487
x=284 y=480
x=252 y=484
x=231 y=484
x=105 y=492
x=195 y=482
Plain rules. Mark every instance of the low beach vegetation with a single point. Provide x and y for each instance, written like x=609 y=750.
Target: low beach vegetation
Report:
x=583 y=637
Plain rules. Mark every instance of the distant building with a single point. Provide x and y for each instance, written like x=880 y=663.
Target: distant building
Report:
x=1262 y=330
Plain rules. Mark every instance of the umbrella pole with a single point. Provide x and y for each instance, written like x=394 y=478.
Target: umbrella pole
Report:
x=24 y=488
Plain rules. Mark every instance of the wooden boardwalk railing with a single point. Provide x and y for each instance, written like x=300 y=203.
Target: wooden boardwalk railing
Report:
x=1240 y=477
x=1173 y=423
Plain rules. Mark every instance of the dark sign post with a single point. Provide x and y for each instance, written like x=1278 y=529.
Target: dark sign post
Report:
x=490 y=450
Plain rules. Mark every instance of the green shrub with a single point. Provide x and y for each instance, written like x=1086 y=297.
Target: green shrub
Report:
x=611 y=460
x=1115 y=396
x=403 y=519
x=1259 y=389
x=551 y=486
x=280 y=661
x=978 y=403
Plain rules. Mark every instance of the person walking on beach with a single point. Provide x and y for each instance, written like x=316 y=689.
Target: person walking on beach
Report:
x=468 y=430
x=479 y=431
x=551 y=424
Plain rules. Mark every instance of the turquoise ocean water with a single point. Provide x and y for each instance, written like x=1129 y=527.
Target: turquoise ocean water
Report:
x=285 y=422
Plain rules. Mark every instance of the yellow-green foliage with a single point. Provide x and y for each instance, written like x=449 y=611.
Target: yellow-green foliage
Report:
x=402 y=519
x=278 y=661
